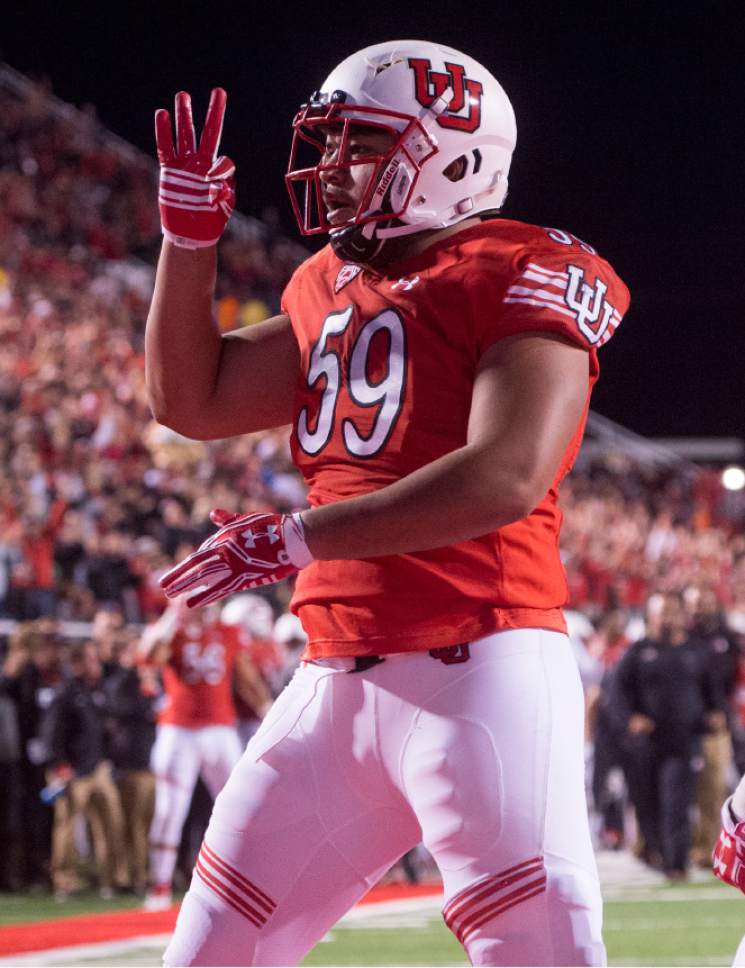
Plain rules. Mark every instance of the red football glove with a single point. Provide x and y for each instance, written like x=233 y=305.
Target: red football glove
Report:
x=248 y=550
x=197 y=189
x=728 y=859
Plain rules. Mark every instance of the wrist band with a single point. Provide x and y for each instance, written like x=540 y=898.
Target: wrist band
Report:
x=184 y=243
x=294 y=535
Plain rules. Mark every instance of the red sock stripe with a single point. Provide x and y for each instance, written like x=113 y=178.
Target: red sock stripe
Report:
x=479 y=885
x=237 y=879
x=494 y=910
x=173 y=847
x=466 y=900
x=236 y=902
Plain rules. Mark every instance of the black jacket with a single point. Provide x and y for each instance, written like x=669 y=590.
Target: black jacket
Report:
x=74 y=727
x=33 y=693
x=722 y=654
x=131 y=720
x=672 y=684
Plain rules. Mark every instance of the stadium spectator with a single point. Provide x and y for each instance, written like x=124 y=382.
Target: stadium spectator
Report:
x=31 y=677
x=721 y=653
x=665 y=696
x=74 y=729
x=607 y=646
x=11 y=783
x=132 y=690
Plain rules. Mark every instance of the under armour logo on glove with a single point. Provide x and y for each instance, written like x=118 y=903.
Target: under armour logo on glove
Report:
x=271 y=535
x=249 y=550
x=197 y=189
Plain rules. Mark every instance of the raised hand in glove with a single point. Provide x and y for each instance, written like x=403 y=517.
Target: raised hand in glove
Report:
x=197 y=189
x=249 y=550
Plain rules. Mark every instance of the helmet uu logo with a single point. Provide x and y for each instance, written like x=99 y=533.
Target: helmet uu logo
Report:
x=429 y=85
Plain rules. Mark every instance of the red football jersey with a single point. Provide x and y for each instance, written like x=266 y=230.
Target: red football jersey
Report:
x=388 y=365
x=198 y=676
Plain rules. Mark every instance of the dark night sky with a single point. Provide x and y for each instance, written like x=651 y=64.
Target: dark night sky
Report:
x=630 y=134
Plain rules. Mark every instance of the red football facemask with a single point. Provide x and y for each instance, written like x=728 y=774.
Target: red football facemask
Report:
x=393 y=175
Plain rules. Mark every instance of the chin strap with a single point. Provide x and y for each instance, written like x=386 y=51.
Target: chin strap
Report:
x=357 y=243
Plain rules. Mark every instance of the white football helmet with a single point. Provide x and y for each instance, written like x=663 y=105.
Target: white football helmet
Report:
x=252 y=612
x=441 y=106
x=288 y=628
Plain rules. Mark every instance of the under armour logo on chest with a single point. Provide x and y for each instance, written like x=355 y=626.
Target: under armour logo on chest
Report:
x=405 y=284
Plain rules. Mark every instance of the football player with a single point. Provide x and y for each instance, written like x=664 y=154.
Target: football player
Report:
x=196 y=732
x=729 y=851
x=435 y=361
x=254 y=616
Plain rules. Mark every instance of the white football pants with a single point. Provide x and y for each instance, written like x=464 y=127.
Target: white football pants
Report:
x=481 y=760
x=739 y=961
x=178 y=757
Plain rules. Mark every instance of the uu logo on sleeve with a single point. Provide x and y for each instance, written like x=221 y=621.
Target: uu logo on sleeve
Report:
x=592 y=310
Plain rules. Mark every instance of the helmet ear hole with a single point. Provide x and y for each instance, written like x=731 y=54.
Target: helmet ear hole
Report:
x=457 y=169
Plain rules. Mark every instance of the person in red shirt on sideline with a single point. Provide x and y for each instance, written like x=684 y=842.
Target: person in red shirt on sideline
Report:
x=201 y=660
x=436 y=363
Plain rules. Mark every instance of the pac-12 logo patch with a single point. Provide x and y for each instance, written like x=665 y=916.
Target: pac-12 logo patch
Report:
x=429 y=85
x=348 y=272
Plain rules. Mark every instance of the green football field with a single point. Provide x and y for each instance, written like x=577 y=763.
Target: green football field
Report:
x=691 y=924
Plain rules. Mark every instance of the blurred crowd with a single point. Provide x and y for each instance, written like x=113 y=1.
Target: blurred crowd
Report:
x=94 y=496
x=97 y=500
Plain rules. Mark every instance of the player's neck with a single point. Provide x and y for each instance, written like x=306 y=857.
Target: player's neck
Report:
x=409 y=246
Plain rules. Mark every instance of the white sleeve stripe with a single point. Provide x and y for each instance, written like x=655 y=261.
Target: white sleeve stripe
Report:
x=200 y=189
x=180 y=183
x=547 y=272
x=542 y=303
x=544 y=279
x=185 y=189
x=202 y=199
x=607 y=334
x=527 y=291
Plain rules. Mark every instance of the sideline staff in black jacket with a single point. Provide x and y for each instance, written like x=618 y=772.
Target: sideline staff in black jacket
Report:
x=666 y=697
x=75 y=732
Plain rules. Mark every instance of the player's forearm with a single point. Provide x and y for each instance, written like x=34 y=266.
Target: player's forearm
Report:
x=254 y=693
x=182 y=343
x=155 y=643
x=462 y=495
